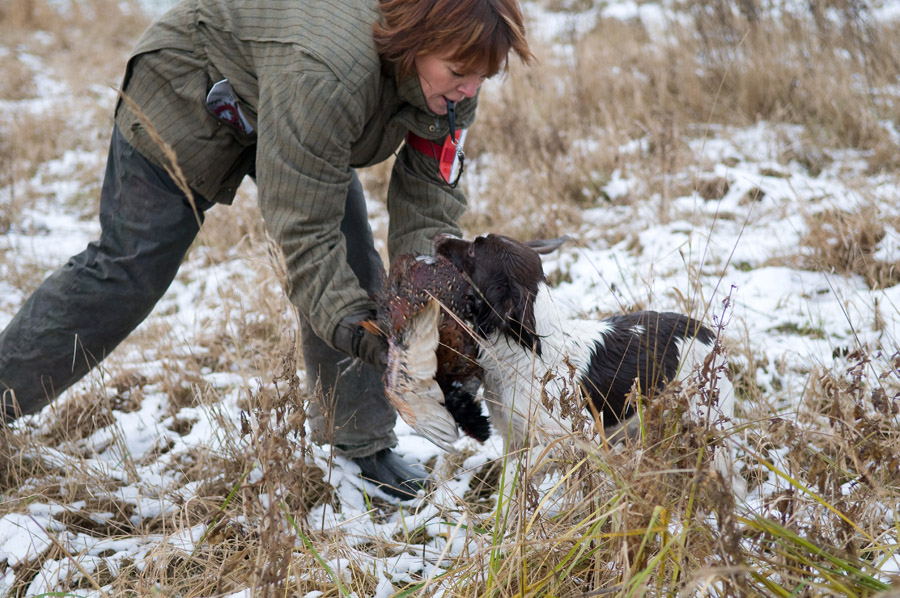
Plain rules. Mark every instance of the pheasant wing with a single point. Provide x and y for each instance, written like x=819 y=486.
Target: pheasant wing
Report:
x=409 y=379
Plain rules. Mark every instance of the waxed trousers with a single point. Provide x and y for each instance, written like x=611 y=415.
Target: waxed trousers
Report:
x=82 y=311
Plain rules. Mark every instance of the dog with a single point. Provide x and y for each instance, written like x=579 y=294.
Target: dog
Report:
x=531 y=349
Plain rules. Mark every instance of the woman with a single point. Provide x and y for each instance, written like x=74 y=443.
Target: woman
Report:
x=297 y=94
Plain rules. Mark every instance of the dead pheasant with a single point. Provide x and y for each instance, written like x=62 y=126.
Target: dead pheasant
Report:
x=431 y=376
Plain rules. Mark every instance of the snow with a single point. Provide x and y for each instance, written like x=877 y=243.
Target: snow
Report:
x=24 y=536
x=763 y=300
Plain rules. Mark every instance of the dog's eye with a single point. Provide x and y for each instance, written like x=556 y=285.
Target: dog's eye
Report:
x=471 y=251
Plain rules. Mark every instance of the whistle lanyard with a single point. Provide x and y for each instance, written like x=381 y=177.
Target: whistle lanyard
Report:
x=460 y=155
x=451 y=118
x=430 y=148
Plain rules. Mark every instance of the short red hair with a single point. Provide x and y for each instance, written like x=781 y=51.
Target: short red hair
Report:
x=477 y=34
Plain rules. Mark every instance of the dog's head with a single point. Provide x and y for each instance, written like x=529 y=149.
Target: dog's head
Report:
x=506 y=274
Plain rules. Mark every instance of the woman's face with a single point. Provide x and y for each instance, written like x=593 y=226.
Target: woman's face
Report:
x=442 y=80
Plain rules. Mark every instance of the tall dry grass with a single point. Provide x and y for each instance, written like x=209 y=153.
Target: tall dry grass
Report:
x=84 y=44
x=85 y=41
x=570 y=119
x=650 y=520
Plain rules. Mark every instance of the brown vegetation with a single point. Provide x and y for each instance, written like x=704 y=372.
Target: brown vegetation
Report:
x=649 y=520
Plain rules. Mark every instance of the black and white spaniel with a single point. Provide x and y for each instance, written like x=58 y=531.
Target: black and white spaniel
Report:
x=529 y=345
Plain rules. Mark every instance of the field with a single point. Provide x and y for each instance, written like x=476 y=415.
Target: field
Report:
x=736 y=161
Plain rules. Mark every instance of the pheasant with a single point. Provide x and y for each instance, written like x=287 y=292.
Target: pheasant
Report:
x=431 y=376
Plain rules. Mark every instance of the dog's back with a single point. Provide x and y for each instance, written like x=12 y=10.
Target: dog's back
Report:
x=643 y=348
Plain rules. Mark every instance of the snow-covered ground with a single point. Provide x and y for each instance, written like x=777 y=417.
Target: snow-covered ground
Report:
x=788 y=319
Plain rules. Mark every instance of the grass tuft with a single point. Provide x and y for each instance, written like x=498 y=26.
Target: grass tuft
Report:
x=624 y=126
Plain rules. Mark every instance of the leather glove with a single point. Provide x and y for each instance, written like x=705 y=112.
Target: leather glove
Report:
x=357 y=341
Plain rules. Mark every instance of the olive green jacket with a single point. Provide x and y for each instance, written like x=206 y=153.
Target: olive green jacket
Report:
x=312 y=88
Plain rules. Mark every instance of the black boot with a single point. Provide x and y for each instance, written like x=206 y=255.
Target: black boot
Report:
x=392 y=474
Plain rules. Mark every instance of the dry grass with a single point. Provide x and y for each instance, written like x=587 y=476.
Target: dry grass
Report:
x=86 y=44
x=650 y=519
x=624 y=83
x=846 y=243
x=86 y=41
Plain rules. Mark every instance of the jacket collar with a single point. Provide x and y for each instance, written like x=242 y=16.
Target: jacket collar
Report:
x=410 y=91
x=416 y=116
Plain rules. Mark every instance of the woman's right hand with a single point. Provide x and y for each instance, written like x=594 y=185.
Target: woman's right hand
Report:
x=360 y=342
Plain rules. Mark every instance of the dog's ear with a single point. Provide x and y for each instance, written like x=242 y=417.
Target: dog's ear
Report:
x=508 y=308
x=545 y=246
x=489 y=303
x=518 y=317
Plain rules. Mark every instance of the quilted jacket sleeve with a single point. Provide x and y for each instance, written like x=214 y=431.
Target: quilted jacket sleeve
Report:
x=305 y=123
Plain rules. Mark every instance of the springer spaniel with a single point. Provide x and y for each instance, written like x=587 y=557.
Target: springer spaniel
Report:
x=529 y=347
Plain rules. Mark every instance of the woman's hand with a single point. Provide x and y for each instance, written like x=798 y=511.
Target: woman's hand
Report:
x=357 y=340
